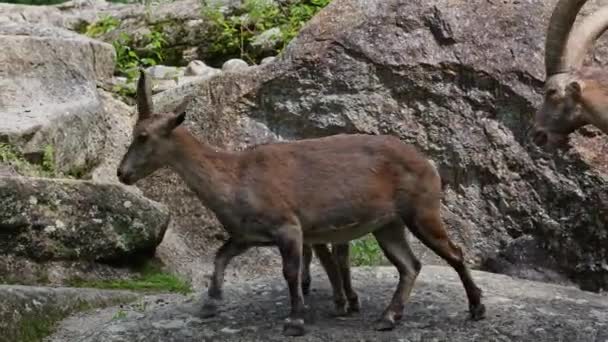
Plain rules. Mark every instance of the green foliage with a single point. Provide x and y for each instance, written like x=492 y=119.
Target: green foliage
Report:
x=9 y=155
x=104 y=25
x=232 y=35
x=128 y=58
x=48 y=160
x=151 y=278
x=120 y=314
x=366 y=252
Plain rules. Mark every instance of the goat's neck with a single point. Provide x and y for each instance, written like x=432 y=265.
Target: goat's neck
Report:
x=209 y=172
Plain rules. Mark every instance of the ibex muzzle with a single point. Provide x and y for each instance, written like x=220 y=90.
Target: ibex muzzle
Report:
x=307 y=192
x=574 y=95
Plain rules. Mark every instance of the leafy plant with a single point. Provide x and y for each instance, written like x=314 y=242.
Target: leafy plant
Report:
x=11 y=156
x=234 y=34
x=128 y=60
x=102 y=26
x=366 y=252
x=120 y=314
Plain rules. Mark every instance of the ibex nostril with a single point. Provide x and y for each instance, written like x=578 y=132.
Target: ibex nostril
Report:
x=120 y=175
x=540 y=138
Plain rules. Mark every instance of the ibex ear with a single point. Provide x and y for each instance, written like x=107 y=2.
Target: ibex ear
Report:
x=144 y=95
x=574 y=89
x=172 y=122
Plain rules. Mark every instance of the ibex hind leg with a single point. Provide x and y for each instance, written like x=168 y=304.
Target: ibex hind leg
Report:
x=307 y=259
x=335 y=278
x=341 y=253
x=393 y=242
x=428 y=228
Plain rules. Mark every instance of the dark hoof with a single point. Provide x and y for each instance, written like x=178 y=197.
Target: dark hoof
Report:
x=209 y=309
x=354 y=306
x=341 y=311
x=294 y=327
x=478 y=312
x=384 y=324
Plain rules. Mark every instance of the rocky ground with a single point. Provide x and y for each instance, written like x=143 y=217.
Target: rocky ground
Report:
x=517 y=311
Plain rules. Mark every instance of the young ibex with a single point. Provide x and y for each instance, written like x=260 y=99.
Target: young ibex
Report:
x=574 y=95
x=317 y=191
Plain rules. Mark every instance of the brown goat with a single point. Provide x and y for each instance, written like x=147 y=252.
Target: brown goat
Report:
x=575 y=95
x=315 y=191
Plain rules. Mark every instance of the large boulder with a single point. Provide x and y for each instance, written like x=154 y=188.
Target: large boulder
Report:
x=49 y=220
x=28 y=313
x=461 y=88
x=49 y=93
x=517 y=310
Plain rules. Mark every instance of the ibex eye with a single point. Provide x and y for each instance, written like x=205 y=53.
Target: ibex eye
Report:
x=551 y=92
x=142 y=136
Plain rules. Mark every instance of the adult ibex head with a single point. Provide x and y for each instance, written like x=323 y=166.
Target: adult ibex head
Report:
x=574 y=95
x=151 y=145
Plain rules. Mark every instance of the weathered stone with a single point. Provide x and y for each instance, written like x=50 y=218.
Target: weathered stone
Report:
x=26 y=311
x=517 y=310
x=234 y=64
x=51 y=219
x=49 y=95
x=199 y=68
x=121 y=118
x=163 y=72
x=267 y=40
x=268 y=60
x=455 y=91
x=46 y=15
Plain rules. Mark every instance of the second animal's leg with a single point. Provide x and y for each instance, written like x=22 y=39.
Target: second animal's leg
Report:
x=341 y=254
x=393 y=242
x=335 y=278
x=224 y=255
x=289 y=241
x=429 y=229
x=307 y=255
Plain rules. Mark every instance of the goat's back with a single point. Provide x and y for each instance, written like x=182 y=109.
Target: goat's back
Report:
x=335 y=180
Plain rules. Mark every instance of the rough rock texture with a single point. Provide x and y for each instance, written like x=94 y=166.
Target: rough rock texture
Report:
x=51 y=220
x=462 y=89
x=28 y=311
x=517 y=310
x=49 y=98
x=121 y=118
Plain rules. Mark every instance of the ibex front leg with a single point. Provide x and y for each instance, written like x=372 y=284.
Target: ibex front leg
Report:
x=289 y=241
x=225 y=254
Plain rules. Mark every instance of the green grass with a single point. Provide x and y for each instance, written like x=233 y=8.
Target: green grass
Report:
x=11 y=156
x=366 y=252
x=151 y=278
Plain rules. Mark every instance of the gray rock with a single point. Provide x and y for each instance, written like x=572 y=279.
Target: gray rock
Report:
x=48 y=219
x=46 y=15
x=517 y=310
x=267 y=40
x=268 y=60
x=163 y=72
x=49 y=95
x=27 y=311
x=199 y=68
x=436 y=76
x=121 y=118
x=235 y=65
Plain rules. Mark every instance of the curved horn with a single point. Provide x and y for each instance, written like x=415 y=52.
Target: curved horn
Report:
x=560 y=24
x=144 y=95
x=584 y=35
